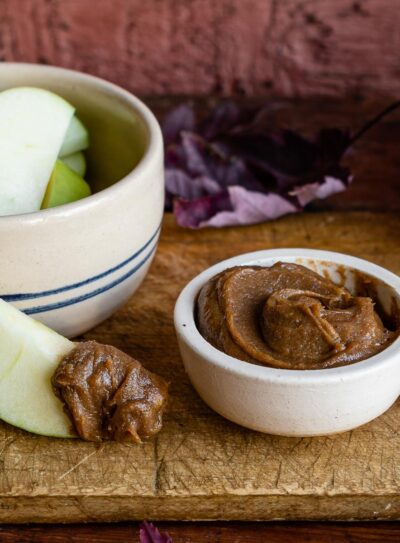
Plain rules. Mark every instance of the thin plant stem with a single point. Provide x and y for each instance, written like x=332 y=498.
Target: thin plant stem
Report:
x=374 y=121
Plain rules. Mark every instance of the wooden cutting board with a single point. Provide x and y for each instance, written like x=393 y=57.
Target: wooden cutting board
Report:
x=201 y=466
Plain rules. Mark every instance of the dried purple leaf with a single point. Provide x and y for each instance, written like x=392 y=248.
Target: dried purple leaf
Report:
x=232 y=207
x=179 y=183
x=288 y=158
x=195 y=213
x=233 y=168
x=312 y=191
x=223 y=117
x=150 y=534
x=197 y=157
x=179 y=119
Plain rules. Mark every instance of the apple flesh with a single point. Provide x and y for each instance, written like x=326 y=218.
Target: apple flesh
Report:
x=77 y=163
x=65 y=186
x=29 y=355
x=76 y=139
x=33 y=126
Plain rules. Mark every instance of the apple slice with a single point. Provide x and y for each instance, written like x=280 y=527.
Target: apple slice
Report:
x=76 y=138
x=76 y=162
x=33 y=125
x=65 y=186
x=29 y=355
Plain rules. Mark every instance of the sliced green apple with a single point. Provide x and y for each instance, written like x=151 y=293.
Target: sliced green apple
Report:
x=33 y=125
x=76 y=162
x=29 y=355
x=64 y=186
x=76 y=139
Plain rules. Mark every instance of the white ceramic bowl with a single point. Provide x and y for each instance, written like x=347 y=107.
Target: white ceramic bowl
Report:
x=72 y=266
x=291 y=402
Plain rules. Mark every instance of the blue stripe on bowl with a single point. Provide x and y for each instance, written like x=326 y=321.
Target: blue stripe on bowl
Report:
x=33 y=295
x=92 y=294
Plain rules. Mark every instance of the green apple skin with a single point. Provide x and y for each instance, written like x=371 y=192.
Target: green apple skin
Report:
x=65 y=186
x=29 y=355
x=77 y=163
x=33 y=126
x=76 y=138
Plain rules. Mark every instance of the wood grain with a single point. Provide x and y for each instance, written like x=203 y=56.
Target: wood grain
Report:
x=286 y=48
x=202 y=466
x=235 y=532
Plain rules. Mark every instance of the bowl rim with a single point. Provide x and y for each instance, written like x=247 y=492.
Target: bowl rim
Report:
x=154 y=145
x=186 y=327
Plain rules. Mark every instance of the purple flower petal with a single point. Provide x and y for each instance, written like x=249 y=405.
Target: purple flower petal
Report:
x=150 y=534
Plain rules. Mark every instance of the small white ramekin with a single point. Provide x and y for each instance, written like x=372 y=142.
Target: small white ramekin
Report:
x=291 y=402
x=72 y=266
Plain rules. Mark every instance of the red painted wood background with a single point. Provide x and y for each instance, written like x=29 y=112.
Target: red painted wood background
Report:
x=286 y=48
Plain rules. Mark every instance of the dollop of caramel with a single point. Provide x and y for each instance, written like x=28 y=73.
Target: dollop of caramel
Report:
x=109 y=395
x=288 y=316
